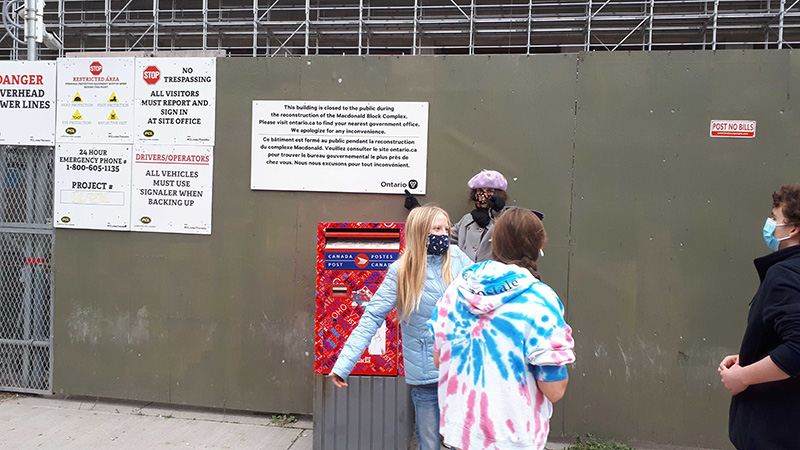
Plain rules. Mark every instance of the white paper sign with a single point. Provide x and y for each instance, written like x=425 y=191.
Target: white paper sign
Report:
x=175 y=100
x=378 y=147
x=27 y=102
x=92 y=186
x=95 y=100
x=172 y=189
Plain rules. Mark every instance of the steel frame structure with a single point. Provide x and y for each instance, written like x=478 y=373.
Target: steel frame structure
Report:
x=415 y=27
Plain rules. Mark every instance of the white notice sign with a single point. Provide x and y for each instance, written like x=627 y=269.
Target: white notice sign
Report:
x=27 y=102
x=172 y=188
x=95 y=100
x=378 y=147
x=175 y=100
x=92 y=186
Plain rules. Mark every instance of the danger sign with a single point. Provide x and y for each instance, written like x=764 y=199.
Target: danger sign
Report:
x=96 y=68
x=733 y=128
x=152 y=75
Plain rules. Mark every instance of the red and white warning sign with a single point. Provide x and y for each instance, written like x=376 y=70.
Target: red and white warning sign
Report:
x=151 y=75
x=733 y=128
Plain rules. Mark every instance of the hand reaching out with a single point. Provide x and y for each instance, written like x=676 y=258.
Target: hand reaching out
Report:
x=411 y=201
x=337 y=380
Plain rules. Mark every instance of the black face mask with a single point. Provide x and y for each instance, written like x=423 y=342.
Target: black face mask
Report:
x=438 y=244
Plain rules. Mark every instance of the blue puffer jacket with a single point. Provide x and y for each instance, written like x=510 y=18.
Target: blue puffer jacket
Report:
x=417 y=338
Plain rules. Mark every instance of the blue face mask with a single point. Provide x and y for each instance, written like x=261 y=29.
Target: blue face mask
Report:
x=769 y=228
x=438 y=244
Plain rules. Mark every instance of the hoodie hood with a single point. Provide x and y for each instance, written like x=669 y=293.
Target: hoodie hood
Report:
x=484 y=286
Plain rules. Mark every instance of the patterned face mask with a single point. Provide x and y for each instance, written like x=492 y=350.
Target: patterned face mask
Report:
x=438 y=244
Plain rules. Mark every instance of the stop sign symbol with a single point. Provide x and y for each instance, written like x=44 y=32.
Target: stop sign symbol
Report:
x=96 y=68
x=152 y=75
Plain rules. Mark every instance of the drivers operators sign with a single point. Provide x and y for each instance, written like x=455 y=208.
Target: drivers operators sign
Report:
x=175 y=100
x=27 y=96
x=172 y=187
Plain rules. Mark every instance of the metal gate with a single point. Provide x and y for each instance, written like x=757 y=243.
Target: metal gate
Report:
x=26 y=281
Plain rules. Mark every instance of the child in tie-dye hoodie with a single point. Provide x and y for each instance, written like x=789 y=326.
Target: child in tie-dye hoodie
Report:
x=502 y=345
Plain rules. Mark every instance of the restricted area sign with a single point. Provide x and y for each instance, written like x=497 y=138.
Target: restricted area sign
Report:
x=733 y=128
x=95 y=100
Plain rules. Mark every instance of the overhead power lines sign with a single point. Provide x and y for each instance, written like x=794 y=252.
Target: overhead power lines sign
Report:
x=27 y=102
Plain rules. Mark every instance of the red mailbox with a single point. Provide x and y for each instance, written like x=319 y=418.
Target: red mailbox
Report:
x=352 y=259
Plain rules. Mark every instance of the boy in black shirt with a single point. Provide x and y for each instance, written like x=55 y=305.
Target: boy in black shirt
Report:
x=763 y=377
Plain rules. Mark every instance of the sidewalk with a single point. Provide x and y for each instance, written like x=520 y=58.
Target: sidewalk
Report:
x=31 y=422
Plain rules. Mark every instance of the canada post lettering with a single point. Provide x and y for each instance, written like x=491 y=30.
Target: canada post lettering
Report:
x=359 y=259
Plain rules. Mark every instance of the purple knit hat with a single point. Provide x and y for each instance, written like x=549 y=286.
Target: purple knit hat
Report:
x=488 y=179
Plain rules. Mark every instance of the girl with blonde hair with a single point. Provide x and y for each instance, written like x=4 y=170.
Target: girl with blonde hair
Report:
x=413 y=284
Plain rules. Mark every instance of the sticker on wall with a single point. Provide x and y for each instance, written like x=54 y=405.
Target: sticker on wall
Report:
x=733 y=128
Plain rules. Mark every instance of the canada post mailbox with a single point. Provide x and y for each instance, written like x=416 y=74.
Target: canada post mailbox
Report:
x=352 y=260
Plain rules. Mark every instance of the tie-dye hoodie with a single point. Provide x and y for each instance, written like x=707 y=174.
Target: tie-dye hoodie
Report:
x=497 y=330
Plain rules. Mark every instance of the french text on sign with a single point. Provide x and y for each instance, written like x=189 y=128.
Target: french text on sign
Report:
x=733 y=128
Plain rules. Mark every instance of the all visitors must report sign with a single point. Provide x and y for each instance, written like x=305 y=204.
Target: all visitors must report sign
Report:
x=733 y=128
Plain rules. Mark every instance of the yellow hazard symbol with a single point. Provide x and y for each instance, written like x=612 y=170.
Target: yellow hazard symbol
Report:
x=113 y=98
x=113 y=115
x=77 y=115
x=77 y=97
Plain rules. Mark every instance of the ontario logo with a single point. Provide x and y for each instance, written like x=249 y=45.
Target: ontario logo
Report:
x=149 y=133
x=65 y=219
x=71 y=130
x=145 y=220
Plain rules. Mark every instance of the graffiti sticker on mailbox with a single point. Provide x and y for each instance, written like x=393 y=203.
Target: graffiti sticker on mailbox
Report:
x=352 y=259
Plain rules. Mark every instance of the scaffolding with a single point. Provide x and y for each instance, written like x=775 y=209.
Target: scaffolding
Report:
x=412 y=27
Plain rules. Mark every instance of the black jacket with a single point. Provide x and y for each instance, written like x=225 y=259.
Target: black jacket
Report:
x=765 y=416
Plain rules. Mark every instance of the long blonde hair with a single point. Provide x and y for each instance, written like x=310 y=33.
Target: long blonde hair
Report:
x=412 y=270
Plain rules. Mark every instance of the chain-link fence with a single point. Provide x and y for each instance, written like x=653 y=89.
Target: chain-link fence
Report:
x=26 y=281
